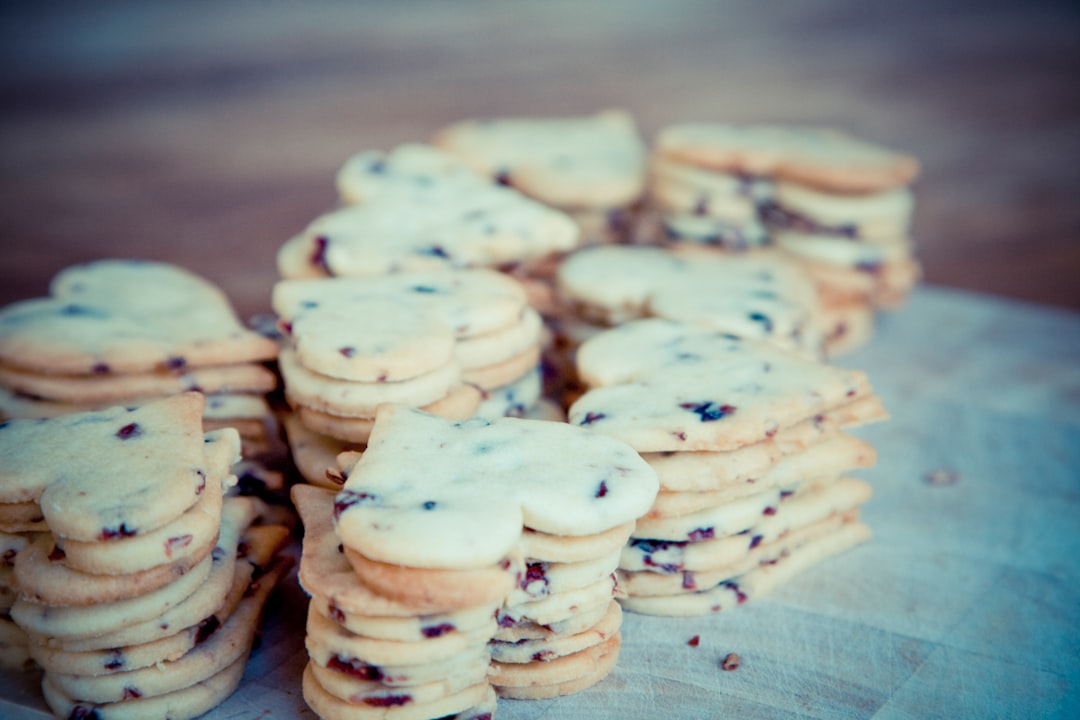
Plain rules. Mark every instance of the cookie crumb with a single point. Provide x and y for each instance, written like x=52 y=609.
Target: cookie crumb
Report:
x=694 y=641
x=942 y=477
x=730 y=662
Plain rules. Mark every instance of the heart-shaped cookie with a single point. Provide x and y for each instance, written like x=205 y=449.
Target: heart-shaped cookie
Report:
x=127 y=316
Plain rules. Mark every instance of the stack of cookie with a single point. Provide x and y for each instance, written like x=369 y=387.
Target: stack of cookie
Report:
x=134 y=598
x=760 y=295
x=14 y=654
x=456 y=343
x=839 y=205
x=717 y=208
x=419 y=209
x=520 y=516
x=747 y=441
x=125 y=332
x=591 y=167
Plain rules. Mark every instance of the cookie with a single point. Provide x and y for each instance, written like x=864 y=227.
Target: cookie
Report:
x=545 y=547
x=515 y=399
x=666 y=386
x=543 y=579
x=559 y=607
x=374 y=694
x=827 y=458
x=526 y=651
x=588 y=485
x=226 y=645
x=347 y=398
x=189 y=702
x=412 y=322
x=572 y=162
x=876 y=217
x=458 y=705
x=755 y=583
x=760 y=296
x=338 y=593
x=561 y=676
x=795 y=511
x=14 y=653
x=139 y=469
x=711 y=232
x=652 y=584
x=121 y=619
x=327 y=638
x=97 y=390
x=126 y=316
x=413 y=169
x=314 y=453
x=428 y=590
x=815 y=157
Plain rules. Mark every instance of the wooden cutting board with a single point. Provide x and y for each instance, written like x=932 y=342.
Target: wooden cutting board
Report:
x=966 y=604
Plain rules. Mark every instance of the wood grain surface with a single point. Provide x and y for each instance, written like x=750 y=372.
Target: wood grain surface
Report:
x=207 y=133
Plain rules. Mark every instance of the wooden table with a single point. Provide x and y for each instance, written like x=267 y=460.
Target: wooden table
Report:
x=966 y=604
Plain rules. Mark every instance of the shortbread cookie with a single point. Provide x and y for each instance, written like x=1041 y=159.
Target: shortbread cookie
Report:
x=753 y=296
x=588 y=485
x=340 y=595
x=119 y=619
x=461 y=403
x=543 y=579
x=413 y=169
x=527 y=651
x=516 y=399
x=314 y=453
x=575 y=162
x=189 y=702
x=411 y=322
x=561 y=676
x=485 y=227
x=325 y=637
x=720 y=233
x=664 y=556
x=229 y=643
x=756 y=583
x=374 y=694
x=349 y=398
x=885 y=215
x=826 y=459
x=139 y=469
x=544 y=547
x=454 y=706
x=435 y=590
x=666 y=386
x=560 y=607
x=575 y=619
x=109 y=388
x=504 y=373
x=815 y=157
x=127 y=316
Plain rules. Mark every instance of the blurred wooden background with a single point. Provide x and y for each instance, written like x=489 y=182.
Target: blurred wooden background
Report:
x=207 y=133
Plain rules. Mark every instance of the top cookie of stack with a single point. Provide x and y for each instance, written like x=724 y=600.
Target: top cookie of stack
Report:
x=417 y=209
x=591 y=167
x=126 y=332
x=840 y=205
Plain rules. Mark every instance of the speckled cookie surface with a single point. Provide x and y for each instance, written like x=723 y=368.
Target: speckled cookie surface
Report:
x=410 y=324
x=483 y=482
x=588 y=161
x=139 y=469
x=762 y=296
x=817 y=157
x=126 y=316
x=665 y=386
